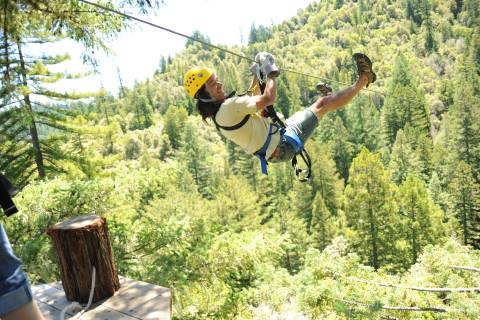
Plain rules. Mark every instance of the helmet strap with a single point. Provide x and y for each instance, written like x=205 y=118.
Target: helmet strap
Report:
x=230 y=95
x=207 y=100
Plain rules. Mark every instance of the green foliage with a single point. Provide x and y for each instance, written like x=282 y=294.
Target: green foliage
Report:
x=371 y=210
x=197 y=35
x=322 y=228
x=465 y=197
x=173 y=125
x=463 y=136
x=260 y=34
x=327 y=287
x=421 y=218
x=405 y=103
x=191 y=211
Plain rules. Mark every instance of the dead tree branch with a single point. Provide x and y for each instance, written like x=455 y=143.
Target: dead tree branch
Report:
x=399 y=308
x=416 y=288
x=466 y=268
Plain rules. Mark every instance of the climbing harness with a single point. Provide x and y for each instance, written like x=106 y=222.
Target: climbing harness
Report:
x=303 y=175
x=262 y=152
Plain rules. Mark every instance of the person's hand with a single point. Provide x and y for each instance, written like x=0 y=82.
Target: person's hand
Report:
x=265 y=66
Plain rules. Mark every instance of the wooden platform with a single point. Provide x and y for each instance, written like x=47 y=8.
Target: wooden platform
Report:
x=135 y=300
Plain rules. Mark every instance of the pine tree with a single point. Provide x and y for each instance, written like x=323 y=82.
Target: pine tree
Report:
x=422 y=218
x=465 y=197
x=423 y=154
x=414 y=11
x=174 y=121
x=371 y=210
x=402 y=159
x=260 y=34
x=325 y=182
x=463 y=129
x=193 y=154
x=430 y=42
x=142 y=109
x=295 y=232
x=341 y=148
x=32 y=125
x=322 y=228
x=405 y=104
x=362 y=124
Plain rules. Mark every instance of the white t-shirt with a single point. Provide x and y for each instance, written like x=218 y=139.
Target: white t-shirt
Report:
x=253 y=134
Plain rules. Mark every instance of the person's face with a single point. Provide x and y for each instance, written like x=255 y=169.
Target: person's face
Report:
x=215 y=88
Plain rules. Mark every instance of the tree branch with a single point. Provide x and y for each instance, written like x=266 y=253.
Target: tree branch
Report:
x=416 y=288
x=466 y=268
x=399 y=308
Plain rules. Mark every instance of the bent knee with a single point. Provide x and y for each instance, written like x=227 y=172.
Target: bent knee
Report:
x=320 y=107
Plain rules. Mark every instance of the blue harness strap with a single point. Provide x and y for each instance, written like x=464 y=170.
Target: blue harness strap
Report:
x=261 y=154
x=293 y=139
x=290 y=136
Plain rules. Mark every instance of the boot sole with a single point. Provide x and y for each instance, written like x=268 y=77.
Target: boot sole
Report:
x=357 y=57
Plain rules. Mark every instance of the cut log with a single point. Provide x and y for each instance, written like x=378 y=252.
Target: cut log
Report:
x=81 y=244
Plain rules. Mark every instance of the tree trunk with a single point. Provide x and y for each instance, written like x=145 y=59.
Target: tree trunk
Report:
x=33 y=125
x=82 y=243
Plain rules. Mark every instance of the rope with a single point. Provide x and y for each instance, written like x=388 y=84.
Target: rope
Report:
x=75 y=304
x=211 y=45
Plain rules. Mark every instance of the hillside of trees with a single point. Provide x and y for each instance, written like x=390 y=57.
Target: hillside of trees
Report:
x=392 y=211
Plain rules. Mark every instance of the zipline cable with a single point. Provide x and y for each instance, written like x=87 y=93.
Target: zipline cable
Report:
x=165 y=29
x=211 y=45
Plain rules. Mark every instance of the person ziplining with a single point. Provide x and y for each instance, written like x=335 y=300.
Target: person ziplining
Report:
x=242 y=120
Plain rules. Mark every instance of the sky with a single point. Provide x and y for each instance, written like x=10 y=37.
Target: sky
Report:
x=136 y=52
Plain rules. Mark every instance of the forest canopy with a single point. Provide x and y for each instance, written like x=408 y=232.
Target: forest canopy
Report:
x=393 y=204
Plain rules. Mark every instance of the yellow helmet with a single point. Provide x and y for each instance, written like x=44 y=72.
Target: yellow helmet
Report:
x=195 y=78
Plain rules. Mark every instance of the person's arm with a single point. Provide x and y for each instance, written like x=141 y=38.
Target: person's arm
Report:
x=29 y=311
x=268 y=96
x=254 y=87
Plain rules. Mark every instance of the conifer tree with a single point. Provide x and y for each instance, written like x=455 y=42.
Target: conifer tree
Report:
x=465 y=197
x=362 y=124
x=322 y=228
x=193 y=154
x=423 y=154
x=421 y=217
x=237 y=207
x=142 y=109
x=29 y=123
x=341 y=148
x=405 y=103
x=402 y=159
x=371 y=210
x=325 y=182
x=463 y=128
x=174 y=121
x=430 y=42
x=295 y=231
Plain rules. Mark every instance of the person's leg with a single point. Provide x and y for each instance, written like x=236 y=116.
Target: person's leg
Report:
x=29 y=311
x=338 y=99
x=15 y=293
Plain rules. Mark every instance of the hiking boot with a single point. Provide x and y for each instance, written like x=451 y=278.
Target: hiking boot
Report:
x=364 y=66
x=323 y=88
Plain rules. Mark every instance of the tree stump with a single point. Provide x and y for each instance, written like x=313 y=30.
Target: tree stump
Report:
x=81 y=244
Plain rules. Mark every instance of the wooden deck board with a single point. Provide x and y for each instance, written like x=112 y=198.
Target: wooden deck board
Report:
x=135 y=300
